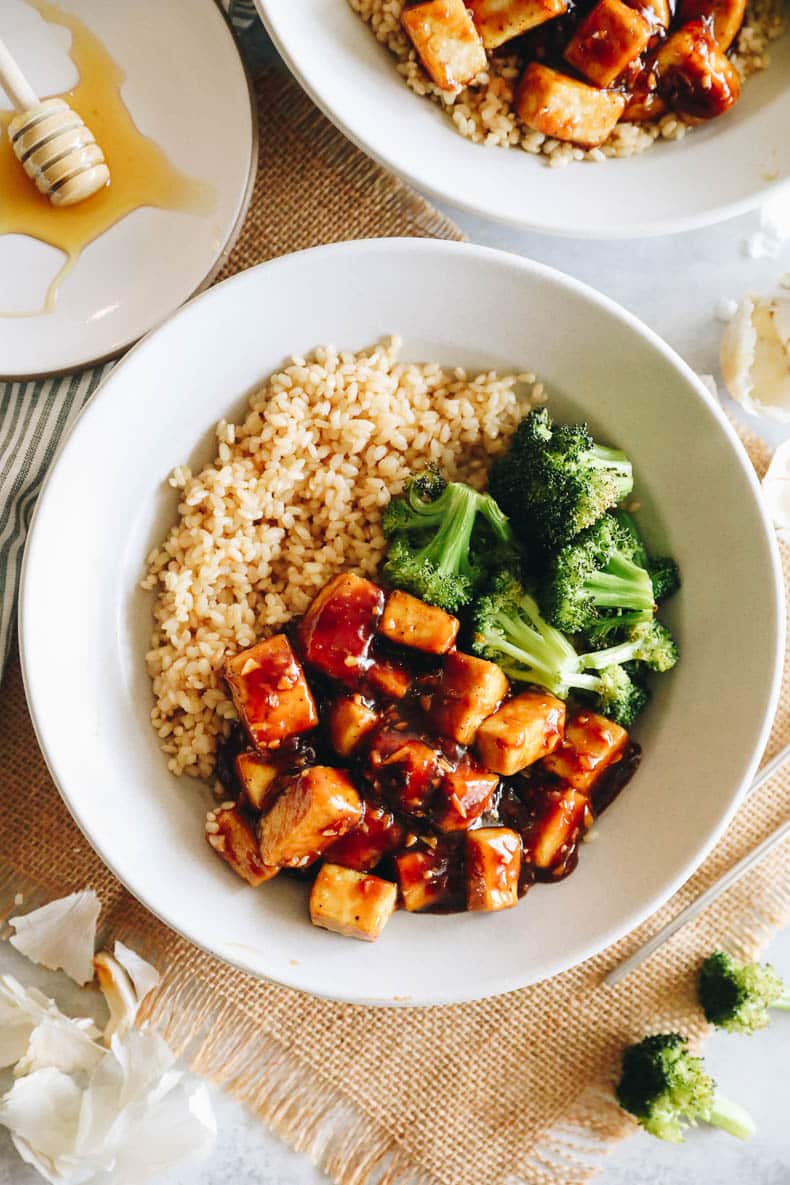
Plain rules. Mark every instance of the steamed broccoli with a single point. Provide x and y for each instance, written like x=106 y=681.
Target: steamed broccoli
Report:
x=596 y=572
x=736 y=996
x=666 y=1088
x=431 y=528
x=555 y=480
x=509 y=630
x=649 y=642
x=663 y=570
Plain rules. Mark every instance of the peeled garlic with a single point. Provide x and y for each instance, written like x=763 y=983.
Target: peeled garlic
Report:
x=776 y=487
x=755 y=356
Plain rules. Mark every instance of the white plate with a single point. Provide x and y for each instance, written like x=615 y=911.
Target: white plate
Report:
x=186 y=88
x=85 y=624
x=721 y=170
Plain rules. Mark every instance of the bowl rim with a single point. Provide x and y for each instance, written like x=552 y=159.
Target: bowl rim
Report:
x=267 y=10
x=305 y=980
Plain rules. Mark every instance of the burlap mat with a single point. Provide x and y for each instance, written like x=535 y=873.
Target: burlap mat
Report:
x=515 y=1089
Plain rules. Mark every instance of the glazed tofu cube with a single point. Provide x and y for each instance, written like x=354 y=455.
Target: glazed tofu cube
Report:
x=726 y=17
x=315 y=808
x=337 y=630
x=591 y=744
x=446 y=41
x=350 y=721
x=469 y=690
x=565 y=109
x=695 y=77
x=525 y=728
x=464 y=795
x=231 y=835
x=258 y=776
x=423 y=878
x=351 y=903
x=270 y=692
x=411 y=622
x=405 y=770
x=609 y=38
x=493 y=864
x=657 y=13
x=498 y=21
x=389 y=678
x=551 y=837
x=362 y=849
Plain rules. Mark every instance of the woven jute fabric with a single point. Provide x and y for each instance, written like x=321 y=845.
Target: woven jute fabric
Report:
x=505 y=1091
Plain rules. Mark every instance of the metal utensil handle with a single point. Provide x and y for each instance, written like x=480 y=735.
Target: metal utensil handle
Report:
x=720 y=886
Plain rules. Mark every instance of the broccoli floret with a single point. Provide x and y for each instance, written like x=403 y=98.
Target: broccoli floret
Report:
x=649 y=642
x=431 y=528
x=736 y=996
x=555 y=480
x=509 y=630
x=665 y=576
x=667 y=1088
x=595 y=572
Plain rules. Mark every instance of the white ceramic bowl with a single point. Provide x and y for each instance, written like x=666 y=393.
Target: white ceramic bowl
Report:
x=85 y=624
x=723 y=169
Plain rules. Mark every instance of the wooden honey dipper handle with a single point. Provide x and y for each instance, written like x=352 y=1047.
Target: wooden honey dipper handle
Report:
x=14 y=83
x=50 y=140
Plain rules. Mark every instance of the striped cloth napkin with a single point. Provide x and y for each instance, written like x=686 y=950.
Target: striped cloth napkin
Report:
x=35 y=416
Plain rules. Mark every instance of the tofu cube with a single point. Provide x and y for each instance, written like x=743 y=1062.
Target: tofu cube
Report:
x=493 y=865
x=231 y=835
x=411 y=622
x=363 y=848
x=527 y=727
x=258 y=777
x=552 y=836
x=657 y=12
x=404 y=770
x=337 y=630
x=498 y=21
x=350 y=721
x=354 y=904
x=389 y=678
x=423 y=878
x=469 y=689
x=726 y=16
x=464 y=795
x=315 y=808
x=590 y=745
x=270 y=692
x=564 y=109
x=694 y=76
x=446 y=41
x=608 y=39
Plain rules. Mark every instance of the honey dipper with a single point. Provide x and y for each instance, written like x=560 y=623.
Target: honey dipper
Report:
x=55 y=148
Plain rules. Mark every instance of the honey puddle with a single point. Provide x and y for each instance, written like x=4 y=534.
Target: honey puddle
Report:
x=140 y=172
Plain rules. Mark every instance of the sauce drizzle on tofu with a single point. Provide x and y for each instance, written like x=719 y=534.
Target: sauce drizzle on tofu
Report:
x=413 y=775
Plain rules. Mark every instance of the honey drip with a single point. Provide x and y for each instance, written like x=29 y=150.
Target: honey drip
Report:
x=140 y=172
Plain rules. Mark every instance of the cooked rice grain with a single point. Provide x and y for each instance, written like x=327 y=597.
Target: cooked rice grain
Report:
x=295 y=495
x=483 y=112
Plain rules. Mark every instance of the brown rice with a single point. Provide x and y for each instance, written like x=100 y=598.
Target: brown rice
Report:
x=294 y=495
x=483 y=112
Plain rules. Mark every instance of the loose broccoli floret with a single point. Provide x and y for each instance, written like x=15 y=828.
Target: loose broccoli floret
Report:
x=649 y=642
x=509 y=630
x=595 y=572
x=431 y=528
x=555 y=480
x=667 y=1089
x=736 y=996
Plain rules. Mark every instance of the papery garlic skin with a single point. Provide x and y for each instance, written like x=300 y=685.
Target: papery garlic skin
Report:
x=61 y=935
x=776 y=487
